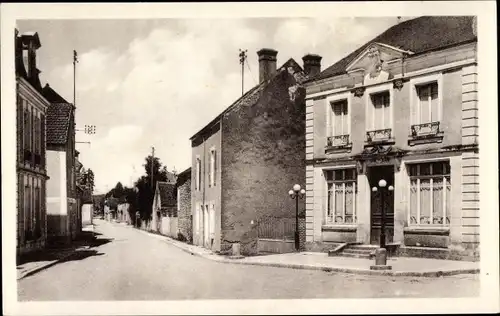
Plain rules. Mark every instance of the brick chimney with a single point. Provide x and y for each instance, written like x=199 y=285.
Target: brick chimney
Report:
x=267 y=63
x=312 y=64
x=31 y=43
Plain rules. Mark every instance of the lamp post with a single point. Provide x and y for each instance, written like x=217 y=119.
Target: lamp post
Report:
x=381 y=253
x=297 y=193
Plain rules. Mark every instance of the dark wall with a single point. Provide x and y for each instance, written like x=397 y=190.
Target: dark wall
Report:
x=263 y=156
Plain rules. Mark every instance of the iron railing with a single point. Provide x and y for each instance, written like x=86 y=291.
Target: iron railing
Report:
x=281 y=228
x=378 y=135
x=426 y=129
x=339 y=140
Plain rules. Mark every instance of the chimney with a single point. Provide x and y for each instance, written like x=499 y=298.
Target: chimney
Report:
x=31 y=43
x=267 y=63
x=312 y=64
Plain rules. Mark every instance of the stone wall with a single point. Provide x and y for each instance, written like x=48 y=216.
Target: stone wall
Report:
x=263 y=156
x=185 y=219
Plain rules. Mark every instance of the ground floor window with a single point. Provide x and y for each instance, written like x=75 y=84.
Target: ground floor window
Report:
x=341 y=196
x=430 y=193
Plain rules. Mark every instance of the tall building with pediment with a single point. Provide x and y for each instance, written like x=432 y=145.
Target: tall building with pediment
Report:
x=392 y=144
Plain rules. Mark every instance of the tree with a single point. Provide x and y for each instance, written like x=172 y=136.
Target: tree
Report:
x=146 y=185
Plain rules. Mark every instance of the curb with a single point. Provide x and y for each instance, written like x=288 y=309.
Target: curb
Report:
x=216 y=258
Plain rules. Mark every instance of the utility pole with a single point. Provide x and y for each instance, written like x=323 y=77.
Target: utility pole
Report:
x=243 y=57
x=75 y=60
x=152 y=167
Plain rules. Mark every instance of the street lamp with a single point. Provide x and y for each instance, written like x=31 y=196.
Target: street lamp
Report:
x=297 y=193
x=381 y=254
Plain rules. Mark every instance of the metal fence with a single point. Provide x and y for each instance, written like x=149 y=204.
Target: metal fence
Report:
x=280 y=228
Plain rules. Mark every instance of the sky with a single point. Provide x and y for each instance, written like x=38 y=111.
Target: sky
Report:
x=149 y=82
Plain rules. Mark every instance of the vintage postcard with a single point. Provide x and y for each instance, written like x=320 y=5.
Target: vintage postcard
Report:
x=249 y=158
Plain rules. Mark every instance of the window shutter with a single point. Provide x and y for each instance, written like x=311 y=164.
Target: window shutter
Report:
x=42 y=153
x=215 y=166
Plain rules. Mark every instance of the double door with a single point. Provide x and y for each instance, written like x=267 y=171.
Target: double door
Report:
x=381 y=199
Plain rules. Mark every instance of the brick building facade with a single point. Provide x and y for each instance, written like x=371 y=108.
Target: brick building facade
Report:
x=402 y=108
x=31 y=150
x=185 y=217
x=247 y=159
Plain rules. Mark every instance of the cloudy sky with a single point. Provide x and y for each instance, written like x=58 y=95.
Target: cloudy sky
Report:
x=155 y=83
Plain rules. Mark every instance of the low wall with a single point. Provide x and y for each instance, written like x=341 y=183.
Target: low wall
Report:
x=275 y=246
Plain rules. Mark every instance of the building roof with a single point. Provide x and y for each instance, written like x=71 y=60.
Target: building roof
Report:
x=418 y=35
x=58 y=123
x=184 y=176
x=167 y=192
x=171 y=177
x=51 y=95
x=252 y=96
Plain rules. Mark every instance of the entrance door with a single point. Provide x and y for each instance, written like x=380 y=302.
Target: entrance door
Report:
x=375 y=175
x=206 y=229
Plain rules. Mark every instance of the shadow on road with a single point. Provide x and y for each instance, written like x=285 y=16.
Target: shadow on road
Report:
x=86 y=240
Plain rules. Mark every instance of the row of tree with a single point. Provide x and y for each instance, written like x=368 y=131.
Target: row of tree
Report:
x=140 y=197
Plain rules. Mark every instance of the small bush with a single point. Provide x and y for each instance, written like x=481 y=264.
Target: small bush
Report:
x=181 y=237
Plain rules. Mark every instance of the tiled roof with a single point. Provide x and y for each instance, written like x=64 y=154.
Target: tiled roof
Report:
x=253 y=95
x=58 y=123
x=168 y=195
x=417 y=35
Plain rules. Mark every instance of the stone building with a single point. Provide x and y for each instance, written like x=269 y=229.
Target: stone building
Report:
x=31 y=108
x=164 y=210
x=184 y=213
x=62 y=208
x=246 y=159
x=402 y=108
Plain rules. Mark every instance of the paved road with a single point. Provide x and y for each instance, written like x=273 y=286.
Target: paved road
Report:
x=130 y=265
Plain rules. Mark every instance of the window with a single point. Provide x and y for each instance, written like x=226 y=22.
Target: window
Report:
x=381 y=117
x=338 y=120
x=26 y=127
x=212 y=168
x=341 y=196
x=426 y=105
x=178 y=199
x=379 y=113
x=430 y=192
x=38 y=209
x=27 y=210
x=212 y=220
x=198 y=174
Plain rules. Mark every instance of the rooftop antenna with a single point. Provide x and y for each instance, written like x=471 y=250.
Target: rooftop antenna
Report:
x=243 y=57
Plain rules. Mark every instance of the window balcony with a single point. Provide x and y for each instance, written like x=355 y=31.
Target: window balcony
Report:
x=425 y=133
x=379 y=136
x=337 y=144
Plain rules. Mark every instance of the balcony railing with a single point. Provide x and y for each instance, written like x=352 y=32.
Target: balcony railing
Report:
x=426 y=129
x=337 y=141
x=378 y=135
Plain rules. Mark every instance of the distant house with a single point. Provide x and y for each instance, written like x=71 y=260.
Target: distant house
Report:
x=31 y=149
x=164 y=212
x=184 y=212
x=402 y=108
x=246 y=160
x=62 y=206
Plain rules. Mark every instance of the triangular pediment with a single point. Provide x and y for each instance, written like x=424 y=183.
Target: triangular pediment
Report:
x=364 y=61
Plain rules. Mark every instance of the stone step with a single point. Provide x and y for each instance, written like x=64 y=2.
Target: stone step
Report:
x=355 y=255
x=364 y=247
x=359 y=251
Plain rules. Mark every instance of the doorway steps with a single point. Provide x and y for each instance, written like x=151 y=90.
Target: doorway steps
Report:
x=359 y=250
x=354 y=250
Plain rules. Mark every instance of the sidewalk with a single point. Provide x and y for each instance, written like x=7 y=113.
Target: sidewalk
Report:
x=32 y=263
x=401 y=266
